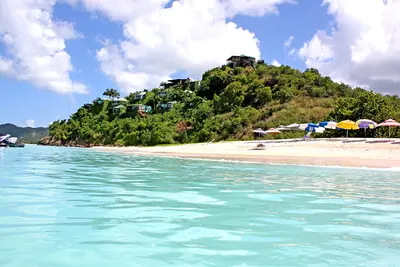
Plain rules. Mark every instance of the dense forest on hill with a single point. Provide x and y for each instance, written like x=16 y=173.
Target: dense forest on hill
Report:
x=27 y=134
x=227 y=104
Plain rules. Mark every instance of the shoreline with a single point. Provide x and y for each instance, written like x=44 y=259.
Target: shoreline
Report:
x=332 y=152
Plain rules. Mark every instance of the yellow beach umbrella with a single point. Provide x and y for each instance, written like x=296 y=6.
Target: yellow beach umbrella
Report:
x=347 y=125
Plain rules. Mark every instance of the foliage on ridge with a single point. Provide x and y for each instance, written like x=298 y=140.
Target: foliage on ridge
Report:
x=27 y=134
x=226 y=105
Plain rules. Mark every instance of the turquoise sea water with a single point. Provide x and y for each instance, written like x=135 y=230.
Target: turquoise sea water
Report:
x=77 y=207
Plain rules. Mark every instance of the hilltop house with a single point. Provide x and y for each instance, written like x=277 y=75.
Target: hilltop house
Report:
x=167 y=106
x=120 y=100
x=140 y=96
x=118 y=108
x=241 y=61
x=88 y=106
x=174 y=82
x=143 y=110
x=115 y=101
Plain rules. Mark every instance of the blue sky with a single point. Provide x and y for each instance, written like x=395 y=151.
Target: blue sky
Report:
x=26 y=100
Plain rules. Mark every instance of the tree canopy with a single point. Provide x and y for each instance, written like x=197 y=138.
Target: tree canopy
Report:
x=227 y=104
x=111 y=93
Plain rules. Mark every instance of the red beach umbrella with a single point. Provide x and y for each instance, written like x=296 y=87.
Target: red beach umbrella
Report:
x=272 y=131
x=389 y=123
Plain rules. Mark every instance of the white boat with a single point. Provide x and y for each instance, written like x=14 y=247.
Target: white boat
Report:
x=12 y=140
x=3 y=137
x=7 y=141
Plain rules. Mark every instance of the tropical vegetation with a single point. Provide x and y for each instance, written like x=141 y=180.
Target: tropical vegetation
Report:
x=227 y=104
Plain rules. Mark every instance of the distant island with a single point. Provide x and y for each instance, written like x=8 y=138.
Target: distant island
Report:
x=25 y=134
x=227 y=104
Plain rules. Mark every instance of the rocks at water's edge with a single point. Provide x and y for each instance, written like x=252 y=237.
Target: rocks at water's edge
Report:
x=51 y=141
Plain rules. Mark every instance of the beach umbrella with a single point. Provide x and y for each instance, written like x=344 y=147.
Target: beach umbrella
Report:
x=315 y=129
x=389 y=123
x=347 y=125
x=328 y=124
x=366 y=124
x=259 y=131
x=294 y=126
x=272 y=131
x=309 y=127
x=290 y=127
x=303 y=126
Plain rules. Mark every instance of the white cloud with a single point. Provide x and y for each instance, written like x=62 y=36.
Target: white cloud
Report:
x=276 y=63
x=253 y=7
x=121 y=10
x=30 y=123
x=36 y=44
x=317 y=49
x=127 y=10
x=363 y=48
x=124 y=73
x=191 y=36
x=288 y=42
x=6 y=66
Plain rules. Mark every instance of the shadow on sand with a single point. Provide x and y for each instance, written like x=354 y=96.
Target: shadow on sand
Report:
x=354 y=141
x=378 y=141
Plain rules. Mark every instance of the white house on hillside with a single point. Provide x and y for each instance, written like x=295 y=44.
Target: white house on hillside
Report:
x=140 y=96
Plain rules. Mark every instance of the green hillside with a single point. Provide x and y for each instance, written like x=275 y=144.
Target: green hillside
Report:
x=30 y=135
x=227 y=104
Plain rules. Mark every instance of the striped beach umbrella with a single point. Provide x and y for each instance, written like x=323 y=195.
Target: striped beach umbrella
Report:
x=389 y=123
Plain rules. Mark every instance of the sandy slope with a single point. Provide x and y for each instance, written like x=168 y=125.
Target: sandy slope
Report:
x=333 y=152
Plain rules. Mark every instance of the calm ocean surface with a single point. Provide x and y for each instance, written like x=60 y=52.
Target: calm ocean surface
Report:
x=77 y=207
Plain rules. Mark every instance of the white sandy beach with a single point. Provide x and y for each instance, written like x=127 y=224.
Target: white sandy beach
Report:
x=375 y=153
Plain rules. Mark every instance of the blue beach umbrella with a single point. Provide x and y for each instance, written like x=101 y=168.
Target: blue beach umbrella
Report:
x=309 y=127
x=328 y=124
x=315 y=129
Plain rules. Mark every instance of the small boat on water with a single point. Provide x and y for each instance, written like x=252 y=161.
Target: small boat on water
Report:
x=7 y=141
x=4 y=137
x=16 y=145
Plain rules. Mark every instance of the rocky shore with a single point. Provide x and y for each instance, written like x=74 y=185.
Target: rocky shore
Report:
x=51 y=141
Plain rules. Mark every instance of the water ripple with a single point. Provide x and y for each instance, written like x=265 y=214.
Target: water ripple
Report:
x=77 y=207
